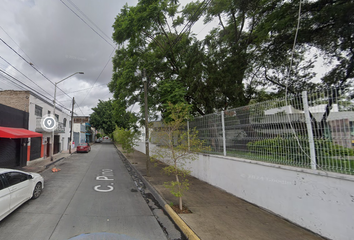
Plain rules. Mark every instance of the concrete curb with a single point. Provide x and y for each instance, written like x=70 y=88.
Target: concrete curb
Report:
x=188 y=232
x=181 y=224
x=52 y=163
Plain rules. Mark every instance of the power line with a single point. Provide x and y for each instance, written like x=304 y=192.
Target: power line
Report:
x=31 y=64
x=16 y=43
x=77 y=8
x=13 y=83
x=28 y=87
x=75 y=91
x=24 y=75
x=99 y=74
x=87 y=24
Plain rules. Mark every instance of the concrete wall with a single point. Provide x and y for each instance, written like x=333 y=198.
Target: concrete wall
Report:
x=15 y=99
x=322 y=202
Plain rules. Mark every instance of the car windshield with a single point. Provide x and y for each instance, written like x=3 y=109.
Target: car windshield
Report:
x=83 y=144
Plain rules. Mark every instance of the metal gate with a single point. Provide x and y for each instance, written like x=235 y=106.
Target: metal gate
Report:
x=35 y=148
x=56 y=144
x=76 y=138
x=9 y=152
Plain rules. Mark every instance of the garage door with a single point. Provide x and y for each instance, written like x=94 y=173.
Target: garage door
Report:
x=35 y=148
x=9 y=152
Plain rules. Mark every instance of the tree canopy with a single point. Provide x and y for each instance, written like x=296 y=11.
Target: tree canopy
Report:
x=107 y=115
x=247 y=54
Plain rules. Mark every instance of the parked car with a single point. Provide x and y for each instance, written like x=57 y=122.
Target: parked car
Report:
x=83 y=147
x=17 y=187
x=98 y=140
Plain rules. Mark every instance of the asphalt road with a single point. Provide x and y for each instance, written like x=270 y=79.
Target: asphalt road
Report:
x=93 y=193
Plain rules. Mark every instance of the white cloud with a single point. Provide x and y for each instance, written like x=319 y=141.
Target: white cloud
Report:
x=58 y=44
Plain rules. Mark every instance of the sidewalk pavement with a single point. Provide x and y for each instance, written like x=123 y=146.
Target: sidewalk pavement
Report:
x=217 y=214
x=40 y=164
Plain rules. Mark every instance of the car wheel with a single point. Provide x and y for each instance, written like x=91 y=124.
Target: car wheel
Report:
x=37 y=190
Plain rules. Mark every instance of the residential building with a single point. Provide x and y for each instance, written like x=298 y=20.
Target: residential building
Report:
x=31 y=108
x=83 y=132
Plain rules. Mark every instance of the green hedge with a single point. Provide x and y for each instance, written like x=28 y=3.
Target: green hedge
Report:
x=290 y=148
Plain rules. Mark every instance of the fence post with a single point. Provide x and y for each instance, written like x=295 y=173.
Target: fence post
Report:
x=189 y=147
x=309 y=130
x=223 y=132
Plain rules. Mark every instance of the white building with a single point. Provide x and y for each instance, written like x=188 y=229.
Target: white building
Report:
x=36 y=107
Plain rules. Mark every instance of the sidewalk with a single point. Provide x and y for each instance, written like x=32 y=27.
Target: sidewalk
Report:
x=40 y=164
x=217 y=214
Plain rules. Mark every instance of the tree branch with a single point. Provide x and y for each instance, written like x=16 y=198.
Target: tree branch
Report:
x=221 y=23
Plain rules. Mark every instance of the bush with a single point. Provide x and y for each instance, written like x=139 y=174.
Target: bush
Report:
x=289 y=147
x=126 y=138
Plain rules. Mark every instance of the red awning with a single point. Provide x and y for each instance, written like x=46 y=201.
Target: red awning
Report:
x=6 y=132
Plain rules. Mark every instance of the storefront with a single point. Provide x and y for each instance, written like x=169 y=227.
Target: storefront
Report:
x=15 y=146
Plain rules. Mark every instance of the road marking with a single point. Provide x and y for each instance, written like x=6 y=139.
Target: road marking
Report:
x=106 y=175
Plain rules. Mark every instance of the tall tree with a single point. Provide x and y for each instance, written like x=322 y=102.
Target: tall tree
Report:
x=249 y=51
x=325 y=25
x=107 y=116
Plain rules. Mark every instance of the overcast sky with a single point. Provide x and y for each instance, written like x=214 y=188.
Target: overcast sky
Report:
x=47 y=34
x=51 y=37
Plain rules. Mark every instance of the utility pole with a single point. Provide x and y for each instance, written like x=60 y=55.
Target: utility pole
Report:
x=55 y=94
x=146 y=125
x=71 y=127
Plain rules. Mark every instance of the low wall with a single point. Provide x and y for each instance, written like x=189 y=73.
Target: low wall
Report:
x=322 y=202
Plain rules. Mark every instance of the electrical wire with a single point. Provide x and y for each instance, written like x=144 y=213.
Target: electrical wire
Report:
x=16 y=43
x=31 y=64
x=23 y=74
x=288 y=77
x=100 y=73
x=75 y=91
x=77 y=8
x=26 y=76
x=12 y=82
x=87 y=24
x=3 y=73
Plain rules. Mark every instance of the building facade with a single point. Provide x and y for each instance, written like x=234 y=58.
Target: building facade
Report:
x=31 y=108
x=83 y=132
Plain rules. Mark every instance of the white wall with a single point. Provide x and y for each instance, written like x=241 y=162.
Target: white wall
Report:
x=45 y=107
x=322 y=202
x=77 y=127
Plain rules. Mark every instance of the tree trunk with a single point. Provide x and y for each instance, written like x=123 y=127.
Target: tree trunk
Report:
x=179 y=190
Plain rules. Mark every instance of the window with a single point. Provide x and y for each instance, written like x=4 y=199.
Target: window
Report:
x=57 y=116
x=64 y=122
x=2 y=186
x=38 y=111
x=48 y=112
x=15 y=177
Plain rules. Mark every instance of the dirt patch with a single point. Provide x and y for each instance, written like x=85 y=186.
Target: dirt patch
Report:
x=184 y=210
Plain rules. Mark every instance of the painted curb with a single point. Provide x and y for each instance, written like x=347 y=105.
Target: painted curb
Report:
x=188 y=232
x=181 y=224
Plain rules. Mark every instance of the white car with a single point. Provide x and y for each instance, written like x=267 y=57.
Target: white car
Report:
x=16 y=187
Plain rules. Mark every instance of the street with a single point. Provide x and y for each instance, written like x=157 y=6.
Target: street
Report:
x=93 y=193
